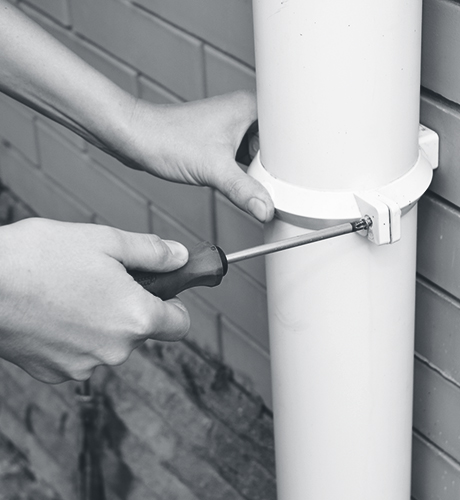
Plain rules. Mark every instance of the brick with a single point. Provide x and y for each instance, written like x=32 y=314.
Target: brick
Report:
x=48 y=420
x=238 y=467
x=438 y=236
x=17 y=477
x=166 y=397
x=437 y=336
x=444 y=118
x=204 y=329
x=12 y=209
x=168 y=448
x=17 y=127
x=157 y=49
x=121 y=74
x=224 y=74
x=436 y=409
x=155 y=93
x=190 y=206
x=138 y=458
x=40 y=192
x=39 y=459
x=64 y=132
x=57 y=9
x=168 y=229
x=440 y=55
x=218 y=393
x=114 y=70
x=201 y=477
x=227 y=24
x=137 y=490
x=247 y=359
x=233 y=455
x=137 y=417
x=434 y=474
x=243 y=301
x=237 y=230
x=91 y=183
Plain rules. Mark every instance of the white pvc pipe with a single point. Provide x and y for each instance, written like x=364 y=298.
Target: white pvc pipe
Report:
x=338 y=93
x=338 y=86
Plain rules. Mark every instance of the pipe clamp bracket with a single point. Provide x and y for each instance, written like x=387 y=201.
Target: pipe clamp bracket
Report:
x=385 y=205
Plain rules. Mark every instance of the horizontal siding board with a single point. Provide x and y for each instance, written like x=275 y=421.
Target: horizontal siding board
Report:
x=445 y=120
x=437 y=329
x=438 y=253
x=227 y=24
x=440 y=54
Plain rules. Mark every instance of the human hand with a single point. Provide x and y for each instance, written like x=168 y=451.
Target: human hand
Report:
x=193 y=143
x=196 y=143
x=67 y=303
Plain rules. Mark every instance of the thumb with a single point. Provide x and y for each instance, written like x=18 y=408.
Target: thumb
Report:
x=148 y=252
x=245 y=192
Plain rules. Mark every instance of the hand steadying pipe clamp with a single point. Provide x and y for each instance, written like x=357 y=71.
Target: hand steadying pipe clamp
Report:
x=208 y=264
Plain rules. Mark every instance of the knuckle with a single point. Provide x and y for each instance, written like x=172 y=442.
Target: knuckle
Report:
x=80 y=374
x=140 y=318
x=117 y=356
x=111 y=236
x=235 y=187
x=142 y=325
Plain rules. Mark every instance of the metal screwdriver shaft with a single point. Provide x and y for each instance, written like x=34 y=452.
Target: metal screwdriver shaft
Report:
x=303 y=239
x=208 y=264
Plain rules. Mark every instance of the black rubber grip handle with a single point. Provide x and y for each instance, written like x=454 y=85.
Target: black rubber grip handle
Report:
x=206 y=266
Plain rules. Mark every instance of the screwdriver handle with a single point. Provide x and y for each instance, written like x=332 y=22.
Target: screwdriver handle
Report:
x=206 y=266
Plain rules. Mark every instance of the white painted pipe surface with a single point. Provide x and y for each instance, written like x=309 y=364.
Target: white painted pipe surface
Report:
x=338 y=90
x=341 y=342
x=338 y=98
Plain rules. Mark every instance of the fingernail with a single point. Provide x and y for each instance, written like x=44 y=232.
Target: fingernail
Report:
x=178 y=250
x=258 y=209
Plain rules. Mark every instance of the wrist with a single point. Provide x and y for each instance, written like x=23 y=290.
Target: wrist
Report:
x=136 y=134
x=109 y=129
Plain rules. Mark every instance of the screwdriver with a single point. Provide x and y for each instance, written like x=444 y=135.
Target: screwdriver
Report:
x=208 y=264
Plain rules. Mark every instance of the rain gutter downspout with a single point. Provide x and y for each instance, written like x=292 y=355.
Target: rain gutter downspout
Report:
x=338 y=98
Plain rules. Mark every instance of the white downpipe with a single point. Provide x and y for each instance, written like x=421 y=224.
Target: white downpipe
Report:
x=338 y=98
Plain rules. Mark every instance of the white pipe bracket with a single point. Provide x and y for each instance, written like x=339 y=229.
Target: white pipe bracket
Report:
x=385 y=205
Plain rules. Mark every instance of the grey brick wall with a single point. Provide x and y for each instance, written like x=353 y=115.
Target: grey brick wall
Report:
x=436 y=452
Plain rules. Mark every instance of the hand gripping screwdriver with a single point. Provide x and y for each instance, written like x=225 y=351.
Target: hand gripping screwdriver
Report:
x=208 y=264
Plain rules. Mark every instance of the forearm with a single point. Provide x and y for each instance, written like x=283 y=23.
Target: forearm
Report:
x=193 y=143
x=43 y=74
